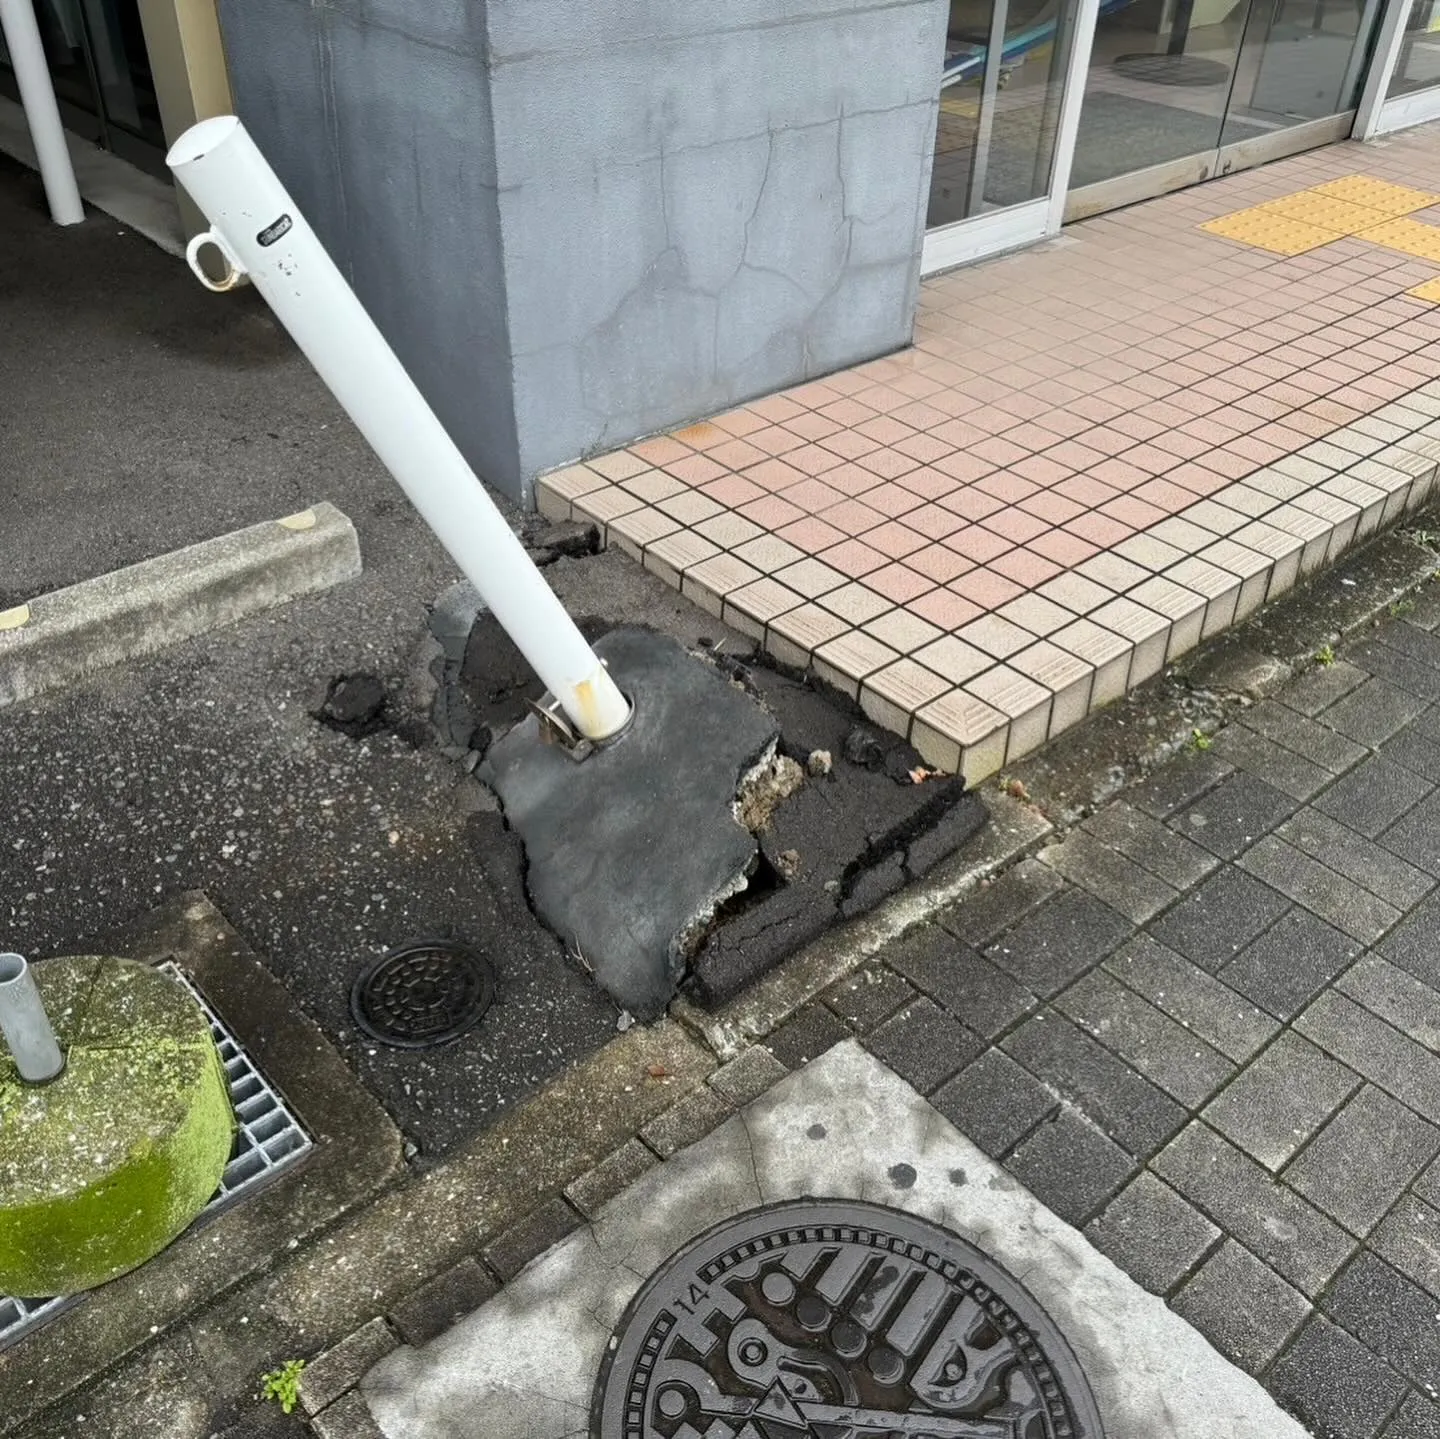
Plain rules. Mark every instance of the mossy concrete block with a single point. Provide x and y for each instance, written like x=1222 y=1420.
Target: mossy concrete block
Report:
x=104 y=1166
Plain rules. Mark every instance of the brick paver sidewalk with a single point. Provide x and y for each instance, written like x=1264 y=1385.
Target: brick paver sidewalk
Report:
x=1205 y=1028
x=1097 y=453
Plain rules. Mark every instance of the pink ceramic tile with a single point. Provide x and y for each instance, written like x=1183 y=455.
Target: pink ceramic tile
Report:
x=849 y=444
x=1042 y=469
x=895 y=539
x=736 y=454
x=966 y=468
x=813 y=459
x=774 y=475
x=939 y=563
x=1063 y=547
x=812 y=495
x=811 y=535
x=772 y=512
x=887 y=464
x=978 y=543
x=1053 y=508
x=852 y=517
x=925 y=449
x=660 y=451
x=986 y=588
x=899 y=583
x=1015 y=525
x=1026 y=567
x=695 y=470
x=855 y=558
x=944 y=608
x=732 y=490
x=1102 y=530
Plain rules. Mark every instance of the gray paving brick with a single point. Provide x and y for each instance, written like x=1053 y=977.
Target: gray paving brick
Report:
x=1415 y=837
x=1314 y=739
x=747 y=1076
x=1273 y=1222
x=1067 y=1164
x=1109 y=876
x=1320 y=687
x=1372 y=713
x=1151 y=844
x=975 y=991
x=547 y=1224
x=924 y=1045
x=1152 y=1233
x=1127 y=1107
x=1412 y=635
x=1165 y=1052
x=806 y=1035
x=1290 y=963
x=1416 y=752
x=980 y=916
x=1220 y=918
x=1417 y=1418
x=994 y=1102
x=1334 y=1386
x=1334 y=898
x=1411 y=675
x=868 y=997
x=1361 y=1161
x=618 y=1171
x=1287 y=771
x=1389 y=1315
x=1056 y=944
x=348 y=1417
x=1232 y=816
x=446 y=1299
x=1396 y=996
x=1221 y=1017
x=1368 y=864
x=1411 y=944
x=1172 y=786
x=1372 y=1048
x=1280 y=1099
x=1409 y=1240
x=1246 y=1310
x=685 y=1122
x=1373 y=795
x=330 y=1374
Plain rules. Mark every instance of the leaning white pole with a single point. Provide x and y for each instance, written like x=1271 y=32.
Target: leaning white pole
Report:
x=37 y=96
x=261 y=233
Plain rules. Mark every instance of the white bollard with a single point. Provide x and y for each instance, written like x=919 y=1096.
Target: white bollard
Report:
x=260 y=232
x=37 y=96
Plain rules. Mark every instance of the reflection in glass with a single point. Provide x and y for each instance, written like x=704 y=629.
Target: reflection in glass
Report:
x=99 y=65
x=999 y=104
x=1418 y=67
x=1174 y=78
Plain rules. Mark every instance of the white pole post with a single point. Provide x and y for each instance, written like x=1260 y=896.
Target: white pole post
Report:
x=37 y=97
x=261 y=233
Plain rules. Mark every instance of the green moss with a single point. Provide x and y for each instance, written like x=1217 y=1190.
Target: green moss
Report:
x=105 y=1166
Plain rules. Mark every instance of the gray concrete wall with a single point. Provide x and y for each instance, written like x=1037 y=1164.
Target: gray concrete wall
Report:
x=702 y=202
x=580 y=223
x=376 y=115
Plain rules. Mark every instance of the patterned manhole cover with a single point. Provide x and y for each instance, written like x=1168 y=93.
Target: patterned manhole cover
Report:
x=834 y=1320
x=423 y=994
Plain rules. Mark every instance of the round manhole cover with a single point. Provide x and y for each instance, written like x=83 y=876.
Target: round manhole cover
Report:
x=423 y=994
x=834 y=1320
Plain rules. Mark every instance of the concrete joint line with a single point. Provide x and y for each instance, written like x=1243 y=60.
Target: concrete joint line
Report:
x=62 y=636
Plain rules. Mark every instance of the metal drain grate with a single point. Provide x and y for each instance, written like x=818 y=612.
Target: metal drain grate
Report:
x=269 y=1140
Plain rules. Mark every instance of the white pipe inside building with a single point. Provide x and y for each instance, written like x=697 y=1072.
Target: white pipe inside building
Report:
x=261 y=233
x=42 y=114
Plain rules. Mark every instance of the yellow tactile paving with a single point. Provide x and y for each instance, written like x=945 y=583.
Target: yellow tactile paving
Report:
x=1410 y=237
x=1267 y=230
x=1377 y=194
x=1326 y=211
x=1430 y=291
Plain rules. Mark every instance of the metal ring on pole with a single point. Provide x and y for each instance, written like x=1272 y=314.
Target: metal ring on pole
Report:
x=234 y=270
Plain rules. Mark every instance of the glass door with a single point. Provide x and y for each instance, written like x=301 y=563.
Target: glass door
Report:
x=1181 y=90
x=101 y=72
x=1002 y=110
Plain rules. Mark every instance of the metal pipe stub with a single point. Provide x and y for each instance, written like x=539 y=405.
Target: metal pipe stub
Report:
x=25 y=1025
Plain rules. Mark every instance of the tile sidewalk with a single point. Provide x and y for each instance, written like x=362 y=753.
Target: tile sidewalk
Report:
x=1205 y=1029
x=1097 y=453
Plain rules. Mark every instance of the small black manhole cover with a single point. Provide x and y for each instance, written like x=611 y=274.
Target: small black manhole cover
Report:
x=422 y=994
x=834 y=1320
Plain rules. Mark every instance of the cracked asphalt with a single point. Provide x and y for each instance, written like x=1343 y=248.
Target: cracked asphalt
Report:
x=139 y=412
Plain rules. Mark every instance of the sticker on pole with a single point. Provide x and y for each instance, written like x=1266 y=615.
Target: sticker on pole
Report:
x=273 y=232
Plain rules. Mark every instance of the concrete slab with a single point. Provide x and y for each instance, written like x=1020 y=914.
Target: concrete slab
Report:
x=628 y=850
x=140 y=609
x=523 y=1365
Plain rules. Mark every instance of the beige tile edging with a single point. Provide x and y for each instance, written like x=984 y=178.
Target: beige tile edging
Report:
x=1001 y=685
